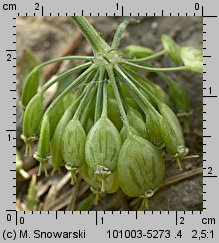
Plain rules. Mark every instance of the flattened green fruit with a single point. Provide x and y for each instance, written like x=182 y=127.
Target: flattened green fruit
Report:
x=42 y=154
x=137 y=125
x=161 y=95
x=137 y=51
x=31 y=123
x=109 y=185
x=55 y=115
x=57 y=112
x=171 y=48
x=171 y=133
x=56 y=141
x=114 y=114
x=170 y=118
x=153 y=130
x=136 y=121
x=103 y=145
x=30 y=88
x=181 y=102
x=140 y=167
x=73 y=144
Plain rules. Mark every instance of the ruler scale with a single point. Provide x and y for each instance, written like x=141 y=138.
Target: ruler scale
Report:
x=166 y=226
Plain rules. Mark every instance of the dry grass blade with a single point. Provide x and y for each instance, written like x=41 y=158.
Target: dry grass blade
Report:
x=42 y=187
x=54 y=190
x=74 y=195
x=175 y=179
x=61 y=202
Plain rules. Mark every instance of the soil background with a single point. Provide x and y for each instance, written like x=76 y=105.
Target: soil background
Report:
x=48 y=37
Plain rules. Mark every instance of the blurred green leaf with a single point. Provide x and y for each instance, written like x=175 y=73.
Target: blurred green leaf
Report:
x=193 y=58
x=171 y=48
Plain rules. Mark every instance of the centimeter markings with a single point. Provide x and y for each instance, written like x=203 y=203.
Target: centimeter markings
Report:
x=11 y=57
x=207 y=93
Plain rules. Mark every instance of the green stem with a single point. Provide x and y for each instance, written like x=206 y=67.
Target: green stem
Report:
x=83 y=100
x=104 y=110
x=120 y=30
x=98 y=105
x=64 y=75
x=60 y=59
x=155 y=69
x=166 y=78
x=142 y=87
x=93 y=37
x=133 y=94
x=118 y=98
x=86 y=112
x=139 y=77
x=123 y=97
x=78 y=80
x=148 y=58
x=136 y=90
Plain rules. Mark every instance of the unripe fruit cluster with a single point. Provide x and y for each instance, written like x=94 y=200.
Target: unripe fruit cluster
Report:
x=115 y=129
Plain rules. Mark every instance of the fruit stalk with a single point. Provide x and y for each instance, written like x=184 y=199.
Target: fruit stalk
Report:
x=97 y=43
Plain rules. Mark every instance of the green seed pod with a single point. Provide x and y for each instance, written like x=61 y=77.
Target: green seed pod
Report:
x=68 y=100
x=171 y=133
x=30 y=88
x=56 y=141
x=137 y=51
x=114 y=114
x=161 y=95
x=136 y=121
x=42 y=154
x=87 y=116
x=31 y=123
x=110 y=184
x=153 y=133
x=73 y=145
x=131 y=102
x=140 y=167
x=181 y=102
x=171 y=48
x=103 y=146
x=57 y=112
x=192 y=58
